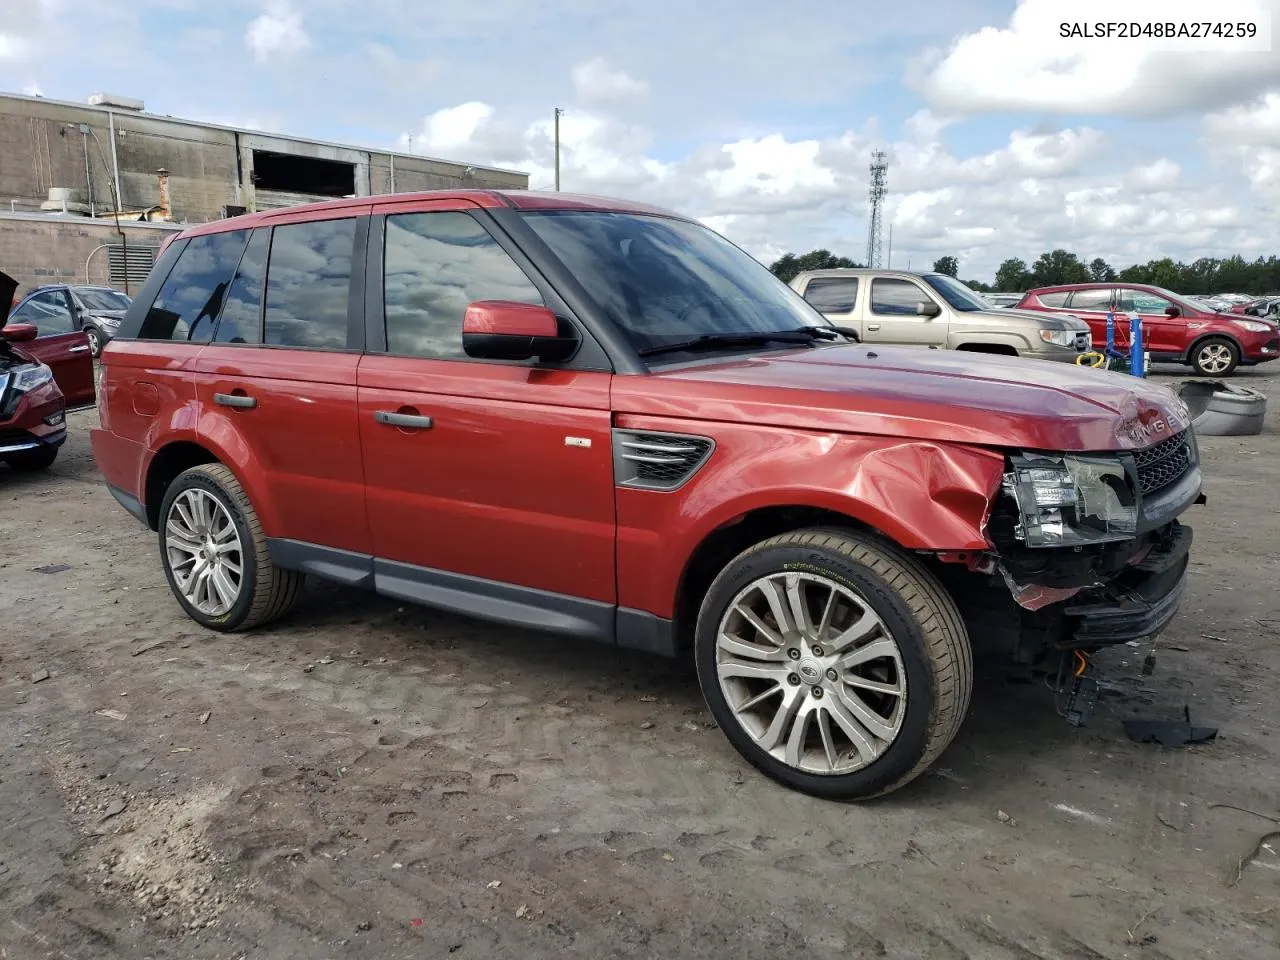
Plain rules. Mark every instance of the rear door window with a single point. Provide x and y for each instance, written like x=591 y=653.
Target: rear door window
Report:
x=832 y=294
x=191 y=297
x=308 y=284
x=1054 y=300
x=1097 y=300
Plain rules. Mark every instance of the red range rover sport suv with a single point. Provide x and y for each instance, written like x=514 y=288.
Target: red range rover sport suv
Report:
x=594 y=418
x=1175 y=329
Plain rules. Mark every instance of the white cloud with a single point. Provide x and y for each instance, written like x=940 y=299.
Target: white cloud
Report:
x=1027 y=65
x=278 y=32
x=771 y=193
x=1251 y=123
x=595 y=82
x=32 y=89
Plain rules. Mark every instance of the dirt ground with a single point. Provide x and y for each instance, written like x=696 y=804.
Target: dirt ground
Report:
x=385 y=782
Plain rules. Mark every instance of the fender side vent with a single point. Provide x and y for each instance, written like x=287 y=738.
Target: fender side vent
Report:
x=657 y=461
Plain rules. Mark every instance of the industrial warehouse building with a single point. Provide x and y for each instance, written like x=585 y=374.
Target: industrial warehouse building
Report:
x=65 y=164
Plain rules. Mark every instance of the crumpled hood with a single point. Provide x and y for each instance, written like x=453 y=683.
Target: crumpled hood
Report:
x=942 y=395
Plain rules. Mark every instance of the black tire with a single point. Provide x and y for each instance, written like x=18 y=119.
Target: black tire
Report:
x=917 y=612
x=95 y=340
x=32 y=460
x=267 y=592
x=1211 y=349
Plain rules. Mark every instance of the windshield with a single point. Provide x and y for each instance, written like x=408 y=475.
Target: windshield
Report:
x=102 y=299
x=663 y=280
x=956 y=293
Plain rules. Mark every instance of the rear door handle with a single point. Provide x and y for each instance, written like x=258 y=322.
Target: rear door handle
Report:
x=873 y=326
x=403 y=420
x=235 y=400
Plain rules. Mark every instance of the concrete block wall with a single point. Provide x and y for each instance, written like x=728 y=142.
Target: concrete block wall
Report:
x=36 y=250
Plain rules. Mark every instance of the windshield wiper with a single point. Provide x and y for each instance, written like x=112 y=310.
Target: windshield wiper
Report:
x=745 y=339
x=826 y=331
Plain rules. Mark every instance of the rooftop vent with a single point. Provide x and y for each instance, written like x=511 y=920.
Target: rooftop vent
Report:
x=112 y=100
x=65 y=200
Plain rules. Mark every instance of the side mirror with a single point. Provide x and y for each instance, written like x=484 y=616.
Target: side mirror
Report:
x=506 y=330
x=928 y=309
x=20 y=333
x=1172 y=311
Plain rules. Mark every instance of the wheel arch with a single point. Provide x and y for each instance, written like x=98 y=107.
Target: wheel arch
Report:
x=1199 y=341
x=165 y=466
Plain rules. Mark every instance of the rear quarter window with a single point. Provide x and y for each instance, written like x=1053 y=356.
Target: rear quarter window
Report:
x=1058 y=299
x=189 y=301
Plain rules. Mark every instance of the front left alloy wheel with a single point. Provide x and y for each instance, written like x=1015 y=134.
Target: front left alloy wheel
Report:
x=215 y=554
x=834 y=662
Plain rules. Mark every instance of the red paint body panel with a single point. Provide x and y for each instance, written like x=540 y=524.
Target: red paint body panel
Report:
x=492 y=489
x=68 y=356
x=1168 y=336
x=509 y=319
x=924 y=495
x=298 y=451
x=939 y=396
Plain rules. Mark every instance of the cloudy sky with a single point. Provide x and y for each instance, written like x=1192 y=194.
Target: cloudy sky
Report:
x=1003 y=139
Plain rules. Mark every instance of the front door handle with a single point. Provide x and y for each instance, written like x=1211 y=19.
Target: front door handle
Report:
x=412 y=420
x=235 y=400
x=83 y=349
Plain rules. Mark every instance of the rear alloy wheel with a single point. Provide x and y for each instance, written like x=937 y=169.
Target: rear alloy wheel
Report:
x=834 y=662
x=31 y=460
x=1215 y=357
x=215 y=553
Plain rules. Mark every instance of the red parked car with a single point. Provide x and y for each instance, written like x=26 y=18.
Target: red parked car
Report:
x=601 y=419
x=1175 y=329
x=42 y=373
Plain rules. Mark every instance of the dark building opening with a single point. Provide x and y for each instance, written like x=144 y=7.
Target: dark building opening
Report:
x=294 y=174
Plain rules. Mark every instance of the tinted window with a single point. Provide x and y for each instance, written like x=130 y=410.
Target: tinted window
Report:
x=48 y=312
x=307 y=284
x=241 y=320
x=93 y=299
x=1091 y=300
x=832 y=294
x=1143 y=302
x=897 y=297
x=957 y=294
x=188 y=303
x=1058 y=299
x=662 y=280
x=436 y=265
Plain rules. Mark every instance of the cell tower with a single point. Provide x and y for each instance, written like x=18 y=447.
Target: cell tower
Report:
x=879 y=170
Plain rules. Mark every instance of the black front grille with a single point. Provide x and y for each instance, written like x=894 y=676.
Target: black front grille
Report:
x=1163 y=464
x=657 y=461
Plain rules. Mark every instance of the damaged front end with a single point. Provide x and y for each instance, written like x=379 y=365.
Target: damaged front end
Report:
x=1087 y=552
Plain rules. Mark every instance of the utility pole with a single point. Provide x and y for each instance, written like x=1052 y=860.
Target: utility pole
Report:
x=889 y=255
x=558 y=112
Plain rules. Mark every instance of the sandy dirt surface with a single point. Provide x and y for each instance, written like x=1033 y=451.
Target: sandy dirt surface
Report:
x=366 y=780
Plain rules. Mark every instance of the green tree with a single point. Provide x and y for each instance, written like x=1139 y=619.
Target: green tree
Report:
x=1100 y=271
x=1058 y=266
x=787 y=267
x=1013 y=276
x=948 y=265
x=979 y=286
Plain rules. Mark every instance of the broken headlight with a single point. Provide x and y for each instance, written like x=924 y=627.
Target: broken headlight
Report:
x=1067 y=500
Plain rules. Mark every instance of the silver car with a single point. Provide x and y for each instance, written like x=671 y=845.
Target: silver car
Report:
x=937 y=312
